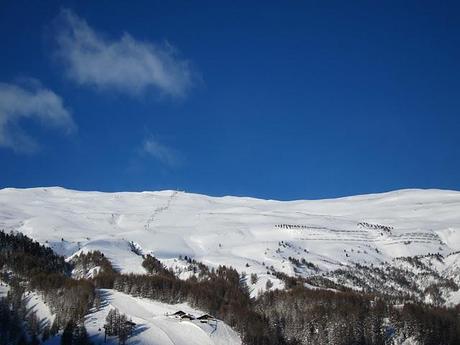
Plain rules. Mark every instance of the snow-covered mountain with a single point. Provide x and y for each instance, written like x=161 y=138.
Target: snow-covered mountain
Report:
x=297 y=238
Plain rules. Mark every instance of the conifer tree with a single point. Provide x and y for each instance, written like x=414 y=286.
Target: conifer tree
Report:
x=67 y=335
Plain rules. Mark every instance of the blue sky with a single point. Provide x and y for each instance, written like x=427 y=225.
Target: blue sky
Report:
x=282 y=100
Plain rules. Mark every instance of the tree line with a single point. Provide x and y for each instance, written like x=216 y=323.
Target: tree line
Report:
x=296 y=315
x=27 y=265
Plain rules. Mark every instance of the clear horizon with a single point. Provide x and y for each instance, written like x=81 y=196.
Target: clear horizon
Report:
x=236 y=196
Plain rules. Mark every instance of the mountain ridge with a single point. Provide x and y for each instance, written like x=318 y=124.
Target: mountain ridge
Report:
x=388 y=192
x=268 y=238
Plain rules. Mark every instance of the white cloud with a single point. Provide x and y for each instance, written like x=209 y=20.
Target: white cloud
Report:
x=161 y=152
x=18 y=103
x=125 y=64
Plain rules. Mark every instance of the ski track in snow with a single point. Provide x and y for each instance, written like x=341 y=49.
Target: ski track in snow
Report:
x=249 y=234
x=240 y=232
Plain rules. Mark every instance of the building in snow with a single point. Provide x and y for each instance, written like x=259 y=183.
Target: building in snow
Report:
x=205 y=318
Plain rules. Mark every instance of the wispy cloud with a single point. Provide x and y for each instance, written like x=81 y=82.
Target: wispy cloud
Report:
x=124 y=64
x=161 y=152
x=35 y=102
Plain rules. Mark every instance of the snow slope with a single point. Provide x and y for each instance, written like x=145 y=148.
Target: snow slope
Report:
x=34 y=305
x=246 y=233
x=154 y=326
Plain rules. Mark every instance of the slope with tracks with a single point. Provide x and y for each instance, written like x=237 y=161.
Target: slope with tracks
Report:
x=252 y=235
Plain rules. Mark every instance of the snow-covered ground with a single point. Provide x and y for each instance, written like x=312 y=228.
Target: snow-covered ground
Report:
x=249 y=234
x=4 y=288
x=154 y=326
x=34 y=304
x=154 y=321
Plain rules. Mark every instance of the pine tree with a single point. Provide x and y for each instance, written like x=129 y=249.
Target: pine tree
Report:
x=33 y=324
x=97 y=302
x=34 y=340
x=80 y=335
x=67 y=335
x=122 y=329
x=22 y=340
x=46 y=333
x=108 y=326
x=54 y=328
x=268 y=284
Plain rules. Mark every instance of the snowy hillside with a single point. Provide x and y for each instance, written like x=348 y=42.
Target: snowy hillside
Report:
x=156 y=324
x=298 y=238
